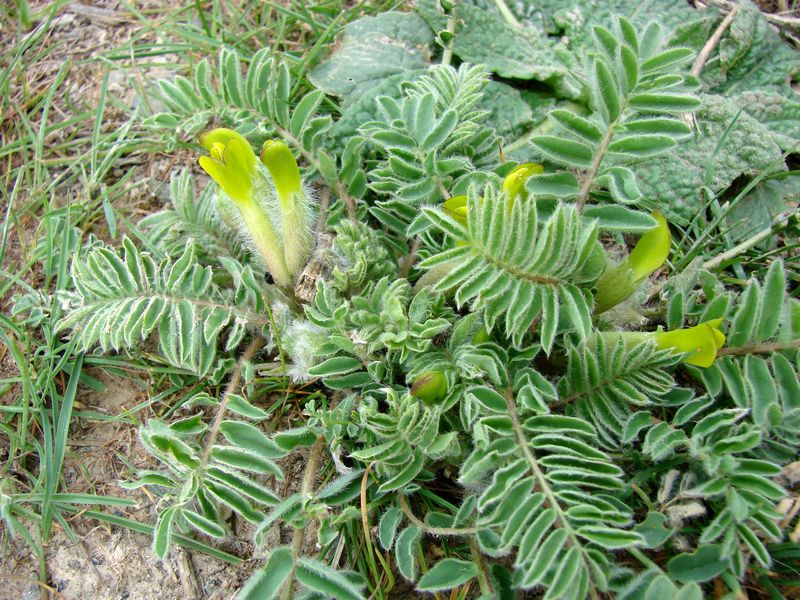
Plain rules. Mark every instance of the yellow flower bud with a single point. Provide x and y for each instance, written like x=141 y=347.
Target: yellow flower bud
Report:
x=700 y=343
x=294 y=204
x=456 y=207
x=651 y=251
x=283 y=168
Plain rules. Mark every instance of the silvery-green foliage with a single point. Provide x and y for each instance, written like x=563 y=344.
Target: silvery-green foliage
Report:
x=372 y=331
x=548 y=494
x=193 y=217
x=400 y=439
x=361 y=256
x=558 y=458
x=431 y=139
x=198 y=485
x=605 y=381
x=256 y=104
x=121 y=297
x=766 y=382
x=639 y=86
x=518 y=268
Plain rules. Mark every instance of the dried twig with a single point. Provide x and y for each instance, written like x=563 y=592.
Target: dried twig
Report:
x=712 y=42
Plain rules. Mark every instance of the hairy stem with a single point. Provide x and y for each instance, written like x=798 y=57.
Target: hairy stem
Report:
x=233 y=385
x=447 y=55
x=764 y=348
x=444 y=531
x=305 y=491
x=483 y=572
x=586 y=184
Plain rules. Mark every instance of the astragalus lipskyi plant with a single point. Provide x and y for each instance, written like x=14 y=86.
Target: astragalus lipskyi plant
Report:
x=507 y=398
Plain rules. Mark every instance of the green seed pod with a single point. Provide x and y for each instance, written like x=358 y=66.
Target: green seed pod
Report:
x=430 y=387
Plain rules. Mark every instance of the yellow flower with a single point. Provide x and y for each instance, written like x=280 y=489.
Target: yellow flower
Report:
x=456 y=207
x=700 y=343
x=703 y=341
x=231 y=162
x=514 y=183
x=283 y=168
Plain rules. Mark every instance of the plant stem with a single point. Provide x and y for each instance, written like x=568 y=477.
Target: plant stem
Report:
x=507 y=14
x=444 y=531
x=779 y=223
x=447 y=55
x=233 y=385
x=765 y=348
x=411 y=258
x=483 y=574
x=305 y=491
x=596 y=162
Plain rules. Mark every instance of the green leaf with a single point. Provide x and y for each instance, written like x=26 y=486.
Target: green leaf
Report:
x=668 y=58
x=266 y=583
x=322 y=578
x=447 y=574
x=565 y=151
x=387 y=526
x=663 y=102
x=240 y=406
x=703 y=564
x=621 y=182
x=777 y=112
x=291 y=439
x=489 y=398
x=338 y=365
x=750 y=56
x=203 y=524
x=243 y=459
x=653 y=530
x=619 y=218
x=676 y=177
x=577 y=125
x=610 y=538
x=371 y=50
x=605 y=92
x=405 y=551
x=162 y=533
x=486 y=38
x=441 y=131
x=761 y=205
x=642 y=145
x=559 y=185
x=250 y=438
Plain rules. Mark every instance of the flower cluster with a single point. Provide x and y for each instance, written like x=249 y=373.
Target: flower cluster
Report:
x=273 y=206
